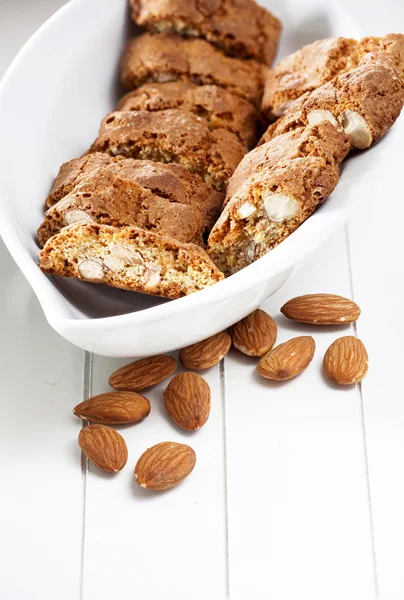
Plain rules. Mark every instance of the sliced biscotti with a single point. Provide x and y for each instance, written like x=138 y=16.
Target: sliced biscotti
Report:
x=275 y=188
x=166 y=57
x=219 y=107
x=123 y=204
x=172 y=136
x=92 y=172
x=320 y=62
x=129 y=258
x=364 y=103
x=322 y=141
x=241 y=28
x=267 y=208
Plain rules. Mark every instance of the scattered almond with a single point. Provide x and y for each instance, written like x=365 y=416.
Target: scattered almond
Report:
x=207 y=353
x=254 y=335
x=187 y=400
x=288 y=359
x=321 y=309
x=346 y=360
x=143 y=373
x=165 y=465
x=114 y=408
x=104 y=446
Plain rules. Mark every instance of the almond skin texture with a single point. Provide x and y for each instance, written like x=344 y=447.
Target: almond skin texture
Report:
x=143 y=373
x=187 y=400
x=165 y=465
x=114 y=408
x=321 y=309
x=207 y=353
x=104 y=446
x=254 y=335
x=346 y=360
x=288 y=359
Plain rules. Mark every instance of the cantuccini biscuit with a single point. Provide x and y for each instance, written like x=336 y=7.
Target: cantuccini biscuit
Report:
x=364 y=103
x=220 y=108
x=241 y=28
x=279 y=193
x=122 y=204
x=320 y=62
x=166 y=57
x=129 y=258
x=172 y=136
x=90 y=173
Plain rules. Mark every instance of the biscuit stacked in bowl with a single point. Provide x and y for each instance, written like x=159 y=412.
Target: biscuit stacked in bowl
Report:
x=136 y=210
x=328 y=98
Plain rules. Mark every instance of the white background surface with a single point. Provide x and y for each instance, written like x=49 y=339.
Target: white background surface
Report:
x=298 y=491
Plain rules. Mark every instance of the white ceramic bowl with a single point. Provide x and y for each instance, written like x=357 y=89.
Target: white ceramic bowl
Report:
x=52 y=100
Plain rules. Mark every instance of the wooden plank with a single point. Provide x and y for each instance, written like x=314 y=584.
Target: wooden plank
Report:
x=41 y=482
x=299 y=519
x=150 y=544
x=376 y=251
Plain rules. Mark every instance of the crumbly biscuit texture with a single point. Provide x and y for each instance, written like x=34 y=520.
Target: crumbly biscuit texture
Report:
x=92 y=172
x=241 y=28
x=166 y=57
x=219 y=107
x=320 y=62
x=129 y=258
x=364 y=103
x=123 y=204
x=172 y=136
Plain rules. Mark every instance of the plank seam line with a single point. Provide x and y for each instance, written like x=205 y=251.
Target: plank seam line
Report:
x=222 y=376
x=363 y=424
x=87 y=393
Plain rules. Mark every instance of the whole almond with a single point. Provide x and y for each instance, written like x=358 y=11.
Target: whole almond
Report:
x=346 y=360
x=104 y=446
x=143 y=373
x=207 y=353
x=288 y=359
x=254 y=335
x=114 y=408
x=321 y=309
x=187 y=400
x=165 y=465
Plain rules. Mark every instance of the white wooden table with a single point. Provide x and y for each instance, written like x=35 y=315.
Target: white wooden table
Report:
x=298 y=491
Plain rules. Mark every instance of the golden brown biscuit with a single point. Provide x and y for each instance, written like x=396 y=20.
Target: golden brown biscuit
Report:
x=164 y=57
x=279 y=192
x=241 y=28
x=129 y=258
x=172 y=136
x=320 y=62
x=220 y=108
x=364 y=103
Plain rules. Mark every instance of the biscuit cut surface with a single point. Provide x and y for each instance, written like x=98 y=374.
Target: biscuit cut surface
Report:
x=129 y=258
x=320 y=62
x=219 y=107
x=164 y=57
x=172 y=136
x=364 y=102
x=240 y=27
x=275 y=191
x=93 y=172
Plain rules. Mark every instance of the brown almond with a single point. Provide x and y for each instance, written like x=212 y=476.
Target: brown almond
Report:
x=143 y=373
x=104 y=446
x=165 y=465
x=321 y=309
x=114 y=408
x=187 y=400
x=254 y=335
x=288 y=359
x=346 y=360
x=207 y=353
